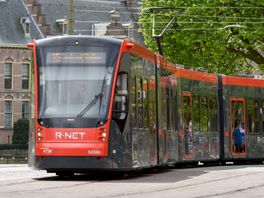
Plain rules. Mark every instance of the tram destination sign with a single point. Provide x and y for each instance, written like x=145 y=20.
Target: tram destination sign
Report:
x=76 y=57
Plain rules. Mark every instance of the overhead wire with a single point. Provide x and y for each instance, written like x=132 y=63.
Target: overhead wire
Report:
x=164 y=14
x=142 y=7
x=148 y=8
x=157 y=14
x=182 y=15
x=175 y=29
x=179 y=22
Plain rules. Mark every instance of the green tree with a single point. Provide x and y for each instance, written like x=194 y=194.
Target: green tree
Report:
x=220 y=36
x=21 y=129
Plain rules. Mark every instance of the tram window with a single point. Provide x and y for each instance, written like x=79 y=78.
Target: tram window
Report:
x=168 y=104
x=121 y=93
x=140 y=96
x=253 y=113
x=175 y=111
x=152 y=104
x=212 y=114
x=171 y=109
x=257 y=115
x=196 y=114
x=250 y=115
x=187 y=112
x=146 y=103
x=237 y=120
x=133 y=103
x=204 y=114
x=187 y=123
x=164 y=108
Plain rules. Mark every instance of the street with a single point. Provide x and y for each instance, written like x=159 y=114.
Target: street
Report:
x=217 y=181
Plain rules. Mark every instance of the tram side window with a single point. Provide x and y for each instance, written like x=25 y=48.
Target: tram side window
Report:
x=253 y=113
x=146 y=102
x=204 y=113
x=212 y=104
x=196 y=114
x=187 y=117
x=175 y=111
x=133 y=102
x=140 y=110
x=152 y=104
x=121 y=94
x=164 y=108
x=257 y=116
x=168 y=104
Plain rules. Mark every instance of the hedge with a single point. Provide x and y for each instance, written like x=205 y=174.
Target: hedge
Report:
x=13 y=146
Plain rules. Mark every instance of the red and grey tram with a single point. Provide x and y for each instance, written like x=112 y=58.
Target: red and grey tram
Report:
x=109 y=104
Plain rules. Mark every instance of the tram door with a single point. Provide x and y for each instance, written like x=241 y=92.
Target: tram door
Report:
x=237 y=118
x=187 y=124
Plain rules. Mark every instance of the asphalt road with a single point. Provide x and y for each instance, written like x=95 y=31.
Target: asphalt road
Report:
x=218 y=181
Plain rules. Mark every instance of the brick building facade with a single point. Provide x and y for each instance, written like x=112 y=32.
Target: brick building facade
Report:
x=15 y=66
x=17 y=28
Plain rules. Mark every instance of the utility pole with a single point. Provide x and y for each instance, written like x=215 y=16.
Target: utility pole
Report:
x=71 y=17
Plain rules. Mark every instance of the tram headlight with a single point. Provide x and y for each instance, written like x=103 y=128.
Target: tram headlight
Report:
x=103 y=139
x=39 y=134
x=39 y=138
x=104 y=134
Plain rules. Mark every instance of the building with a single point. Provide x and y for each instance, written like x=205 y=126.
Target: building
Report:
x=24 y=20
x=117 y=18
x=16 y=29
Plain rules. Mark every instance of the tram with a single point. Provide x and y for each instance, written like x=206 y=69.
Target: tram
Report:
x=103 y=104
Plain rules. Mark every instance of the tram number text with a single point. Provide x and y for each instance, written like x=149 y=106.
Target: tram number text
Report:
x=94 y=152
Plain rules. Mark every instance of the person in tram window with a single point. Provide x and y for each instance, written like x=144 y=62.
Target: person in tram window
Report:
x=189 y=143
x=237 y=137
x=242 y=131
x=190 y=126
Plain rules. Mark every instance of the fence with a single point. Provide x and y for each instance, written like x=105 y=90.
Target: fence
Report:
x=13 y=154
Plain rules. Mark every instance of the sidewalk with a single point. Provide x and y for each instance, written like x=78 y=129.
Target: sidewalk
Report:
x=13 y=165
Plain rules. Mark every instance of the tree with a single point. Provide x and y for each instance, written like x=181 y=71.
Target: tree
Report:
x=21 y=129
x=220 y=36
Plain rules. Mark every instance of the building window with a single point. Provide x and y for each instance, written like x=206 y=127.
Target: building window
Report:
x=8 y=114
x=25 y=109
x=25 y=76
x=65 y=28
x=8 y=75
x=27 y=28
x=26 y=22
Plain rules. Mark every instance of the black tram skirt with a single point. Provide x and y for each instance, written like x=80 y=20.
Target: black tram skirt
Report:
x=77 y=164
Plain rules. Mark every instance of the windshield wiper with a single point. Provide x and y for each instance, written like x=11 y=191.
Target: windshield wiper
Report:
x=90 y=105
x=94 y=101
x=102 y=92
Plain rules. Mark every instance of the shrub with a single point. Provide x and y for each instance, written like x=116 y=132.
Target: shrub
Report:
x=21 y=128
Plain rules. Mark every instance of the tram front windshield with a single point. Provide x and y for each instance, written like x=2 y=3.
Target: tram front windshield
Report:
x=75 y=81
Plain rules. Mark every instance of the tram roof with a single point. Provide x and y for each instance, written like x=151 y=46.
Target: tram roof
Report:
x=71 y=40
